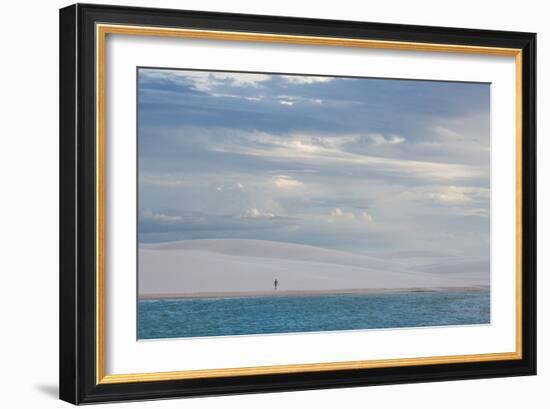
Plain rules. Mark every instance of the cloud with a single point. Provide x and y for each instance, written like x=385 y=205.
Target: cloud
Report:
x=292 y=100
x=195 y=225
x=205 y=81
x=326 y=150
x=254 y=213
x=338 y=213
x=303 y=79
x=241 y=79
x=299 y=142
x=462 y=201
x=286 y=182
x=451 y=194
x=445 y=132
x=379 y=139
x=235 y=96
x=475 y=212
x=366 y=216
x=148 y=215
x=459 y=194
x=227 y=187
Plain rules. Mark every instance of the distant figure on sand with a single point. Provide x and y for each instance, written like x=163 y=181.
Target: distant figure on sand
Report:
x=275 y=283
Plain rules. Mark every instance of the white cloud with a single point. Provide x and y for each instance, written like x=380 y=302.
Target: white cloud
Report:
x=227 y=187
x=206 y=81
x=459 y=194
x=254 y=213
x=329 y=150
x=451 y=194
x=303 y=79
x=248 y=98
x=366 y=216
x=463 y=200
x=292 y=100
x=338 y=213
x=286 y=182
x=379 y=139
x=445 y=132
x=476 y=212
x=331 y=141
x=148 y=215
x=241 y=79
x=306 y=143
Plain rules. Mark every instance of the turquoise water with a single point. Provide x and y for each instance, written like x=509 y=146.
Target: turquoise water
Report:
x=268 y=315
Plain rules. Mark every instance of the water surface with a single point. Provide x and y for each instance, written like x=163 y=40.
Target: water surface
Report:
x=175 y=318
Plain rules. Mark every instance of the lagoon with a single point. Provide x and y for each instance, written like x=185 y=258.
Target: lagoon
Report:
x=221 y=316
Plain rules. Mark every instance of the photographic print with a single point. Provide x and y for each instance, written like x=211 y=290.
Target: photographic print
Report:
x=277 y=203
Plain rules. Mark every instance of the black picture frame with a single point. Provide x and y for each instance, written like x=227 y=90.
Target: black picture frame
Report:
x=78 y=313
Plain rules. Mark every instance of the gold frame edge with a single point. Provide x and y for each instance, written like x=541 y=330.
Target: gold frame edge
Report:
x=101 y=32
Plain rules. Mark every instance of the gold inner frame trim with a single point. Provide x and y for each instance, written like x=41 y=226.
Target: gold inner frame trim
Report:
x=101 y=33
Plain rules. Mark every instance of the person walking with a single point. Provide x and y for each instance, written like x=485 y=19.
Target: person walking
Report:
x=275 y=283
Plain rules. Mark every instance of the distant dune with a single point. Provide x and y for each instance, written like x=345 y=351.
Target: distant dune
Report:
x=240 y=266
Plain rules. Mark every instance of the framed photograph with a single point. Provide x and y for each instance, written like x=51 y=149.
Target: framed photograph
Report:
x=257 y=203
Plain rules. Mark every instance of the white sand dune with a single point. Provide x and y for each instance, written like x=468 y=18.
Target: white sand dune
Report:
x=235 y=265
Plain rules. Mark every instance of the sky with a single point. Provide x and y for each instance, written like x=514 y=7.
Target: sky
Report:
x=355 y=164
